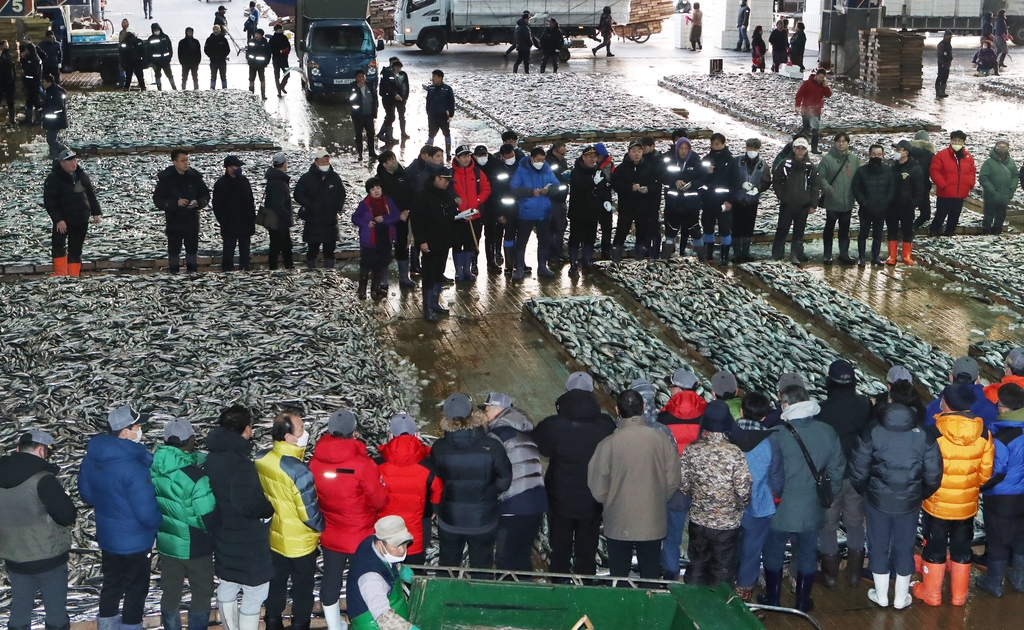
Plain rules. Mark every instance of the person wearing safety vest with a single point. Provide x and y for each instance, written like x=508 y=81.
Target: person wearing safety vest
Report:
x=376 y=600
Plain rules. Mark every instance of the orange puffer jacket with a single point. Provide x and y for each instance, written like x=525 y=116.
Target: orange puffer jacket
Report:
x=992 y=391
x=967 y=458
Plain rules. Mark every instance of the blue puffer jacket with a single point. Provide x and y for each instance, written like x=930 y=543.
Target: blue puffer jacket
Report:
x=982 y=408
x=1004 y=493
x=115 y=478
x=525 y=181
x=758 y=461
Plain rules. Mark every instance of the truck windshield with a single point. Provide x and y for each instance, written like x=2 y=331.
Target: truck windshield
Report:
x=340 y=39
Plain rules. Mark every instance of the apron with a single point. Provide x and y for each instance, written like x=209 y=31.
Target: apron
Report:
x=398 y=603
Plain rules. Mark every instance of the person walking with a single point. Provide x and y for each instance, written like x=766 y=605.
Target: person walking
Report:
x=778 y=39
x=568 y=439
x=742 y=23
x=36 y=517
x=181 y=193
x=605 y=27
x=968 y=455
x=257 y=56
x=524 y=41
x=533 y=184
x=873 y=188
x=590 y=196
x=797 y=185
x=394 y=94
x=190 y=55
x=909 y=188
x=758 y=50
x=374 y=595
x=810 y=101
x=433 y=223
x=797 y=44
x=922 y=150
x=376 y=217
x=440 y=110
x=954 y=174
x=252 y=21
x=696 y=19
x=115 y=480
x=280 y=49
x=634 y=473
x=944 y=55
x=320 y=194
x=159 y=50
x=217 y=49
x=837 y=169
x=185 y=539
x=70 y=200
x=7 y=81
x=242 y=559
x=363 y=107
x=277 y=206
x=235 y=209
x=896 y=465
x=552 y=40
x=999 y=178
x=351 y=491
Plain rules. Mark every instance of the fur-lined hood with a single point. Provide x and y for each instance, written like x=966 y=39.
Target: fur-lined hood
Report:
x=476 y=419
x=923 y=144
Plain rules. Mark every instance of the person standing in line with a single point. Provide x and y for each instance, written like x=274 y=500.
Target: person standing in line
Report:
x=778 y=39
x=533 y=185
x=235 y=209
x=523 y=40
x=873 y=188
x=36 y=516
x=115 y=480
x=242 y=558
x=605 y=26
x=472 y=189
x=277 y=202
x=320 y=194
x=742 y=23
x=159 y=51
x=696 y=27
x=31 y=79
x=185 y=541
x=723 y=184
x=944 y=53
x=559 y=201
x=999 y=177
x=217 y=50
x=398 y=188
x=190 y=55
x=363 y=107
x=376 y=217
x=181 y=193
x=394 y=93
x=257 y=55
x=440 y=110
x=280 y=49
x=954 y=174
x=133 y=57
x=810 y=101
x=70 y=200
x=351 y=490
x=910 y=182
x=590 y=194
x=684 y=177
x=797 y=185
x=433 y=223
x=639 y=193
x=755 y=178
x=53 y=56
x=922 y=150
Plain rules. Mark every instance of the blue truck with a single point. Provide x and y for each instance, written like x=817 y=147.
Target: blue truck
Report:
x=334 y=40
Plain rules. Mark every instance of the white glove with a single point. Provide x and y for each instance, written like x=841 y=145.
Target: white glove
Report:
x=598 y=178
x=747 y=185
x=753 y=192
x=465 y=214
x=608 y=206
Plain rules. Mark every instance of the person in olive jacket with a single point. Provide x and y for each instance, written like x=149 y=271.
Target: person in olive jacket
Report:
x=321 y=194
x=190 y=54
x=217 y=50
x=873 y=189
x=235 y=209
x=277 y=200
x=909 y=182
x=998 y=179
x=69 y=199
x=181 y=193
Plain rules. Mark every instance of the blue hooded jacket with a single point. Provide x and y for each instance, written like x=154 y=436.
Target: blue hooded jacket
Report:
x=526 y=180
x=115 y=478
x=981 y=408
x=1004 y=493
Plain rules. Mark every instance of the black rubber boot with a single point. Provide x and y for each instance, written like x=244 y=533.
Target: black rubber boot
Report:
x=436 y=295
x=361 y=292
x=574 y=258
x=403 y=275
x=814 y=143
x=588 y=256
x=428 y=305
x=772 y=588
x=804 y=585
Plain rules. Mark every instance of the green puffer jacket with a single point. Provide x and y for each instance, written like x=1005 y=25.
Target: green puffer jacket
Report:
x=836 y=171
x=998 y=179
x=186 y=502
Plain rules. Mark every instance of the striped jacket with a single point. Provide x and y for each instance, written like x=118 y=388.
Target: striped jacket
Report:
x=288 y=484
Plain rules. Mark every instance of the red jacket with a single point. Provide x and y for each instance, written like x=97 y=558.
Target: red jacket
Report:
x=682 y=416
x=471 y=186
x=953 y=178
x=410 y=483
x=810 y=98
x=350 y=489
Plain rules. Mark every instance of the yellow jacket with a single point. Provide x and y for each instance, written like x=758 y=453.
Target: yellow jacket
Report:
x=288 y=484
x=967 y=457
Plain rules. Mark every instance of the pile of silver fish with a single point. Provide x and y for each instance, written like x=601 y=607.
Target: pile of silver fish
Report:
x=993 y=353
x=576 y=105
x=132 y=227
x=610 y=343
x=116 y=120
x=1004 y=86
x=876 y=334
x=178 y=346
x=731 y=327
x=768 y=100
x=992 y=263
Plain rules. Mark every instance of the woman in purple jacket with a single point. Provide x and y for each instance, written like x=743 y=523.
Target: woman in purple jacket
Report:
x=376 y=217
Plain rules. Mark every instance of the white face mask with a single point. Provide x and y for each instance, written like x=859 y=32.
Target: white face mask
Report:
x=324 y=167
x=137 y=436
x=481 y=160
x=510 y=161
x=303 y=440
x=537 y=165
x=896 y=156
x=390 y=559
x=752 y=154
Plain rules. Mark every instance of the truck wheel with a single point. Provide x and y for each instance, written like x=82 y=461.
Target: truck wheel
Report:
x=563 y=55
x=432 y=41
x=109 y=71
x=1017 y=33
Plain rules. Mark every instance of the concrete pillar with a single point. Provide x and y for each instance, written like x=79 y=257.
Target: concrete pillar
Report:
x=812 y=25
x=720 y=21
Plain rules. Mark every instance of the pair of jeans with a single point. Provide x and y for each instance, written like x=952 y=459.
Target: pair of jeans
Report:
x=481 y=548
x=302 y=571
x=620 y=557
x=712 y=555
x=191 y=242
x=606 y=43
x=848 y=507
x=280 y=245
x=1003 y=534
x=672 y=542
x=252 y=596
x=244 y=244
x=753 y=533
x=573 y=543
x=173 y=572
x=940 y=535
x=805 y=545
x=946 y=211
x=891 y=538
x=69 y=243
x=51 y=585
x=744 y=41
x=333 y=576
x=514 y=541
x=125 y=577
x=218 y=66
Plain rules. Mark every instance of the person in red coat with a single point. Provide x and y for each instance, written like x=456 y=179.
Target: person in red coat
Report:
x=810 y=100
x=412 y=485
x=351 y=491
x=953 y=172
x=471 y=189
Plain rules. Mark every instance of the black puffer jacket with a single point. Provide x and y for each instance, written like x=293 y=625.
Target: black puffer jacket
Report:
x=523 y=36
x=796 y=182
x=396 y=186
x=723 y=183
x=896 y=464
x=190 y=52
x=234 y=206
x=69 y=198
x=569 y=440
x=643 y=173
x=217 y=47
x=474 y=469
x=500 y=175
x=277 y=197
x=690 y=171
x=552 y=40
x=873 y=188
x=848 y=413
x=243 y=540
x=322 y=197
x=171 y=186
x=587 y=200
x=433 y=216
x=55 y=113
x=909 y=183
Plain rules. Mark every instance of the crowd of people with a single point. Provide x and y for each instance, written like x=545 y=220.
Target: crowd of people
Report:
x=747 y=474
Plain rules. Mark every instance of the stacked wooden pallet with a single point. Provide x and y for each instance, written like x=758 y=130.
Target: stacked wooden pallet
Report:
x=890 y=60
x=911 y=61
x=649 y=12
x=382 y=17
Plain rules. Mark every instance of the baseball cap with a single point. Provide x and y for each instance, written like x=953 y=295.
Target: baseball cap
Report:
x=791 y=378
x=341 y=422
x=723 y=383
x=899 y=373
x=480 y=150
x=588 y=149
x=180 y=429
x=463 y=149
x=402 y=424
x=800 y=142
x=496 y=399
x=959 y=397
x=232 y=160
x=123 y=417
x=684 y=379
x=1016 y=359
x=280 y=159
x=66 y=154
x=36 y=436
x=965 y=365
x=903 y=144
x=579 y=380
x=841 y=372
x=392 y=530
x=457 y=406
x=635 y=143
x=321 y=153
x=444 y=172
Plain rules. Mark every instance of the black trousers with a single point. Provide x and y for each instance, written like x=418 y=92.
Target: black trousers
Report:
x=627 y=216
x=549 y=58
x=280 y=69
x=191 y=243
x=606 y=43
x=790 y=216
x=481 y=549
x=714 y=214
x=124 y=578
x=165 y=69
x=515 y=538
x=312 y=249
x=53 y=71
x=402 y=240
x=218 y=66
x=464 y=236
x=69 y=243
x=559 y=225
x=543 y=228
x=390 y=109
x=994 y=216
x=173 y=572
x=648 y=556
x=494 y=233
x=7 y=96
x=363 y=124
x=302 y=571
x=743 y=220
x=374 y=259
x=940 y=535
x=606 y=221
x=583 y=231
x=870 y=224
x=832 y=220
x=258 y=71
x=946 y=211
x=185 y=72
x=332 y=579
x=244 y=244
x=1003 y=534
x=712 y=555
x=648 y=233
x=573 y=543
x=899 y=220
x=139 y=78
x=941 y=78
x=522 y=57
x=280 y=245
x=439 y=123
x=924 y=207
x=432 y=267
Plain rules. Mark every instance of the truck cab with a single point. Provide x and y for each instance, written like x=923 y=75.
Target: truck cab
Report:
x=82 y=53
x=331 y=53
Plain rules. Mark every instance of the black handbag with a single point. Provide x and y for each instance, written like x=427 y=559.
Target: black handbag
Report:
x=822 y=482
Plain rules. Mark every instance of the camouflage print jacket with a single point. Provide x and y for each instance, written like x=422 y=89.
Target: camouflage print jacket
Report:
x=715 y=474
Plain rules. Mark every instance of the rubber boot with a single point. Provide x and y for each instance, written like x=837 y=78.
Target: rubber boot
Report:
x=329 y=263
x=510 y=259
x=198 y=621
x=467 y=266
x=804 y=585
x=844 y=253
x=332 y=615
x=376 y=290
x=617 y=254
x=228 y=614
x=908 y=248
x=702 y=252
x=826 y=256
x=271 y=623
x=668 y=248
x=252 y=87
x=311 y=264
x=829 y=570
x=588 y=256
x=814 y=143
x=723 y=260
x=993 y=582
x=60 y=266
x=709 y=249
x=361 y=292
x=428 y=315
x=403 y=275
x=893 y=253
x=901 y=597
x=854 y=567
x=489 y=254
x=542 y=265
x=171 y=620
x=66 y=626
x=1016 y=573
x=574 y=259
x=772 y=588
x=252 y=622
x=263 y=91
x=880 y=594
x=75 y=269
x=436 y=295
x=520 y=265
x=414 y=261
x=109 y=623
x=457 y=259
x=929 y=590
x=959 y=581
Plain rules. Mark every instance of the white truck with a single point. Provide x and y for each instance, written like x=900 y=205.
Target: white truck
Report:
x=963 y=17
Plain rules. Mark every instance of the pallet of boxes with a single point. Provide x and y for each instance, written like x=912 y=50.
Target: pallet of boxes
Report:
x=645 y=18
x=891 y=60
x=382 y=18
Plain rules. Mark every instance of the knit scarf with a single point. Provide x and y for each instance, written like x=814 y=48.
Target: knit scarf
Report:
x=378 y=208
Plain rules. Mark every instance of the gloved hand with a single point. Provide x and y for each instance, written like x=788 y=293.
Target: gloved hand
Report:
x=753 y=192
x=405 y=574
x=598 y=178
x=747 y=185
x=608 y=206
